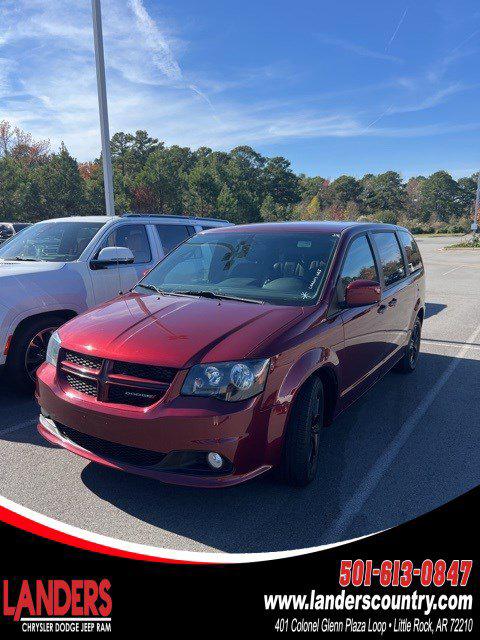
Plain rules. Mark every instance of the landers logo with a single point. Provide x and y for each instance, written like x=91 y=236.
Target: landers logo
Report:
x=58 y=605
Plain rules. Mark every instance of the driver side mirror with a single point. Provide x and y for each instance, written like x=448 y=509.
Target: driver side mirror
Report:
x=360 y=293
x=113 y=255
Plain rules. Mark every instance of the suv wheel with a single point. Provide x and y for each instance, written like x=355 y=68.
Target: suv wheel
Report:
x=28 y=351
x=302 y=439
x=409 y=360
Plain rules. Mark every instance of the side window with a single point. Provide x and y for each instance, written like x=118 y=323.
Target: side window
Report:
x=390 y=257
x=171 y=235
x=6 y=231
x=134 y=237
x=359 y=264
x=414 y=258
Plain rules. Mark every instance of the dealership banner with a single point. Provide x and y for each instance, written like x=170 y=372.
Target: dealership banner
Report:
x=419 y=578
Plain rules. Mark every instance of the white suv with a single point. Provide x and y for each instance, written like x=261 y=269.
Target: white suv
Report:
x=59 y=268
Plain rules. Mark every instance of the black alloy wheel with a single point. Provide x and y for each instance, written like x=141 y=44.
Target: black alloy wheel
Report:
x=301 y=451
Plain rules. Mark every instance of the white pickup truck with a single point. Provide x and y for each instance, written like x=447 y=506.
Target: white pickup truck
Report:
x=59 y=268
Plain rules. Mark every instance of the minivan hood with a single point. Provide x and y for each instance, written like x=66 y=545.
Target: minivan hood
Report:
x=174 y=331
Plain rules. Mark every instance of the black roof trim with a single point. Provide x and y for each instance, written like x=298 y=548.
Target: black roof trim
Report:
x=161 y=216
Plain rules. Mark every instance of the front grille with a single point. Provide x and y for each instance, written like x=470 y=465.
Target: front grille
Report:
x=145 y=371
x=101 y=379
x=81 y=360
x=133 y=396
x=88 y=387
x=111 y=450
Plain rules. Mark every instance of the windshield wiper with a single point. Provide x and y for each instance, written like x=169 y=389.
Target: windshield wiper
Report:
x=161 y=292
x=199 y=294
x=218 y=296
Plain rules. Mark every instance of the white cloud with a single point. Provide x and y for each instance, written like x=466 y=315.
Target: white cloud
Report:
x=432 y=100
x=357 y=49
x=156 y=42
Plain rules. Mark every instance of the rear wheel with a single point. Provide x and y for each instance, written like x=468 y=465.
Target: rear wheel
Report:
x=301 y=450
x=29 y=349
x=410 y=358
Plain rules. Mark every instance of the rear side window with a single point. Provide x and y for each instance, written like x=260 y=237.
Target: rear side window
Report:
x=390 y=257
x=134 y=237
x=414 y=259
x=359 y=264
x=171 y=235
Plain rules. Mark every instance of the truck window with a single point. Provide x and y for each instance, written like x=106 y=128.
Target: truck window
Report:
x=171 y=235
x=134 y=237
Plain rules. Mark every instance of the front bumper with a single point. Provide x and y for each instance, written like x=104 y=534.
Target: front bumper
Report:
x=236 y=431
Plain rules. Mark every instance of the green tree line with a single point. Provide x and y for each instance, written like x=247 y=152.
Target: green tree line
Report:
x=241 y=185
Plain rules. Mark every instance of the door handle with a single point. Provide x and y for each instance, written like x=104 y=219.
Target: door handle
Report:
x=382 y=308
x=392 y=302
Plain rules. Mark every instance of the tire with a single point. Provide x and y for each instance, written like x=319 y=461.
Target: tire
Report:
x=302 y=439
x=28 y=350
x=408 y=363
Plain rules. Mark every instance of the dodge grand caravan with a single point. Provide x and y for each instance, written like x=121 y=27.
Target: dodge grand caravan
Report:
x=227 y=359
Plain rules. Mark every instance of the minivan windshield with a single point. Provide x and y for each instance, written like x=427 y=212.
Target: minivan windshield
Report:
x=50 y=242
x=277 y=268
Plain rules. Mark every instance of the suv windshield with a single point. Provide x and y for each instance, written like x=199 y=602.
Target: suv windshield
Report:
x=278 y=268
x=50 y=242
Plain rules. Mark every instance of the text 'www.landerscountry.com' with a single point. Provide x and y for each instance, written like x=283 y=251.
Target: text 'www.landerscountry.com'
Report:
x=367 y=602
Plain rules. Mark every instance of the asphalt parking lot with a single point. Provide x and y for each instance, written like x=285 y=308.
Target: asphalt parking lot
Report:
x=409 y=445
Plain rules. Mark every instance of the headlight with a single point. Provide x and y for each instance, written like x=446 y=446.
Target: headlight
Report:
x=229 y=381
x=53 y=349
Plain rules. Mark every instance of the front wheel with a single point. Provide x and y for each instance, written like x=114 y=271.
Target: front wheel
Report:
x=410 y=358
x=301 y=449
x=28 y=351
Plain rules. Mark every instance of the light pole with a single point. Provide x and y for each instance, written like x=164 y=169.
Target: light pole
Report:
x=477 y=206
x=103 y=107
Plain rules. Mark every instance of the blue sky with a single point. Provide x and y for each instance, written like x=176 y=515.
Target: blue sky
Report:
x=344 y=87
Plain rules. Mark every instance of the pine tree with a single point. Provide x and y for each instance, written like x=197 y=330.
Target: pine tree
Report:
x=61 y=185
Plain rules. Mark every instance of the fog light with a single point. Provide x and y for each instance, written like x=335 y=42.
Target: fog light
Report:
x=215 y=460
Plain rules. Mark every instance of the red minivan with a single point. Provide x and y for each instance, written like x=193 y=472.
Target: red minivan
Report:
x=227 y=359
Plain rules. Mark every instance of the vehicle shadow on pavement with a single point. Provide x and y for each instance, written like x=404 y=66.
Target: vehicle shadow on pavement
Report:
x=14 y=421
x=438 y=462
x=27 y=435
x=433 y=308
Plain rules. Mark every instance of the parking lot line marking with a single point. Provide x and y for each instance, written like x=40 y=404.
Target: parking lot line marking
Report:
x=454 y=269
x=447 y=343
x=18 y=427
x=371 y=481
